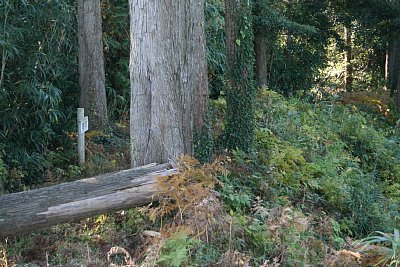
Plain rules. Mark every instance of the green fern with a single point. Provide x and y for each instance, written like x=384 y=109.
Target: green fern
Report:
x=176 y=250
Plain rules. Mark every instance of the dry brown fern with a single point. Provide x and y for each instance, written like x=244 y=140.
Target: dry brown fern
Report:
x=185 y=189
x=191 y=203
x=378 y=101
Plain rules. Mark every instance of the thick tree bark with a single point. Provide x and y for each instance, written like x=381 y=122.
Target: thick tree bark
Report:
x=35 y=209
x=240 y=91
x=91 y=63
x=260 y=45
x=168 y=78
x=348 y=57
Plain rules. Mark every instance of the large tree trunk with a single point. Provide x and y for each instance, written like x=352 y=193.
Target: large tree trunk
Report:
x=35 y=209
x=260 y=45
x=240 y=92
x=168 y=78
x=393 y=65
x=348 y=57
x=91 y=63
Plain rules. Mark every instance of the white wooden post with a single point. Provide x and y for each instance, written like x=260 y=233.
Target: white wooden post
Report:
x=83 y=126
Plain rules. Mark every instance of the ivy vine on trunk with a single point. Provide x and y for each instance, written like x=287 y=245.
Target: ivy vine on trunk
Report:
x=240 y=91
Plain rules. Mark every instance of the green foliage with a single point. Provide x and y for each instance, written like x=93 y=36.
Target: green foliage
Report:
x=37 y=41
x=203 y=143
x=259 y=240
x=269 y=14
x=116 y=40
x=335 y=153
x=215 y=45
x=392 y=240
x=320 y=172
x=236 y=196
x=176 y=250
x=288 y=163
x=296 y=34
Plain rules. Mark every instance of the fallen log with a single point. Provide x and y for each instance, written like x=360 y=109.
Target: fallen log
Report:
x=31 y=210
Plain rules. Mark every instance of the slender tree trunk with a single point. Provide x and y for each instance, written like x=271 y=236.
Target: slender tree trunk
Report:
x=2 y=190
x=374 y=63
x=169 y=86
x=260 y=45
x=240 y=93
x=398 y=95
x=387 y=61
x=348 y=57
x=394 y=61
x=91 y=63
x=396 y=72
x=390 y=66
x=3 y=58
x=398 y=91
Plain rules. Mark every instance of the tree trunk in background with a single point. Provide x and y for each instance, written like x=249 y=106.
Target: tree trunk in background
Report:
x=393 y=62
x=260 y=45
x=2 y=191
x=240 y=92
x=390 y=66
x=91 y=63
x=398 y=91
x=348 y=56
x=169 y=87
x=373 y=64
x=387 y=62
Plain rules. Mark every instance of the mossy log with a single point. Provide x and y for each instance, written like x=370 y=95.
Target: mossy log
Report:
x=31 y=210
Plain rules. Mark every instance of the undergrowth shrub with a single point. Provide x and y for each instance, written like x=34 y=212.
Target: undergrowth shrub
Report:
x=176 y=250
x=273 y=229
x=193 y=222
x=336 y=165
x=332 y=151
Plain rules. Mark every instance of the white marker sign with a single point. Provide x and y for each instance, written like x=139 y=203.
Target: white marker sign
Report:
x=83 y=125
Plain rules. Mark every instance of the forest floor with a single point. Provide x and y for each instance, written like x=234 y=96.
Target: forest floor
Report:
x=323 y=176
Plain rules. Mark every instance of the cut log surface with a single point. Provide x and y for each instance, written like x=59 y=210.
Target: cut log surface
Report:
x=31 y=210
